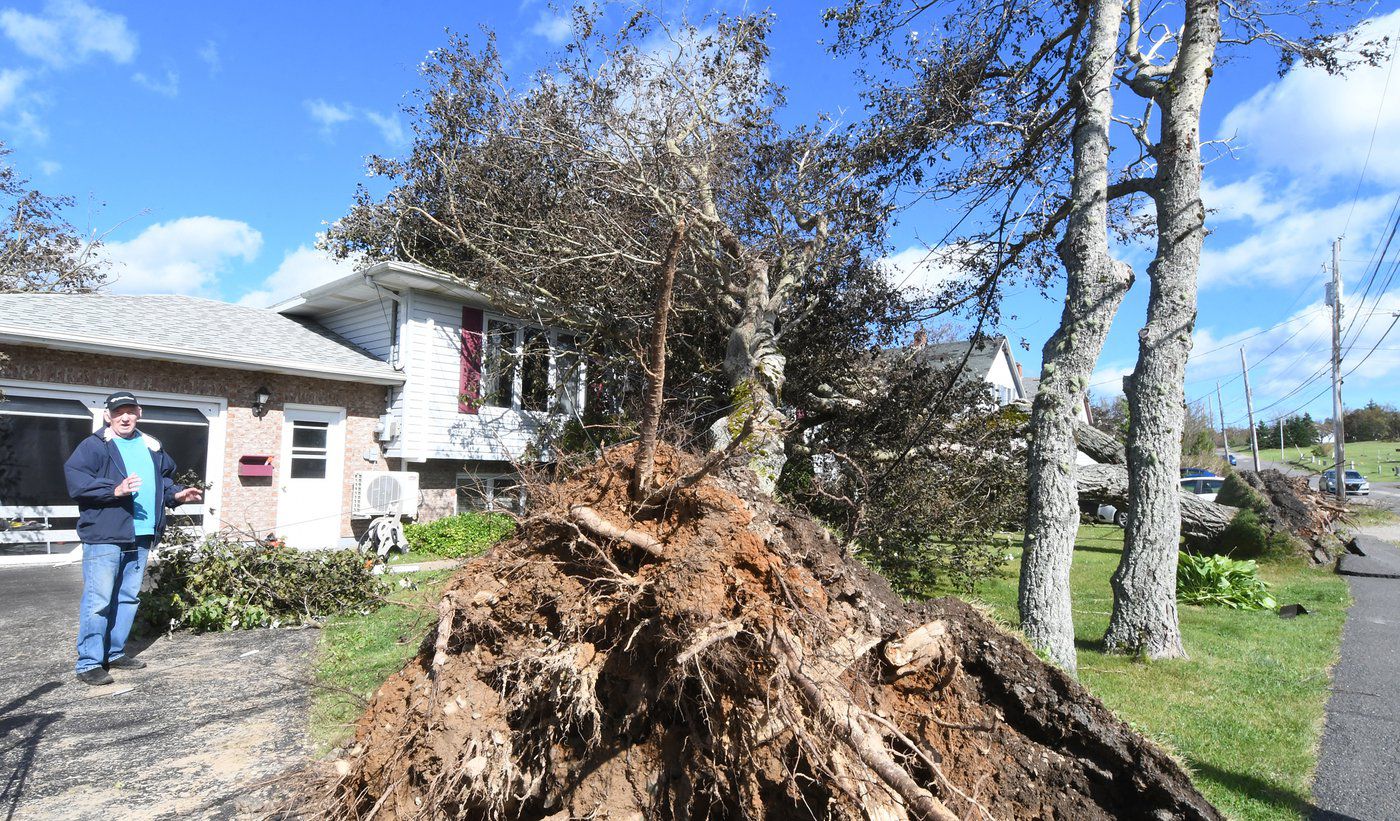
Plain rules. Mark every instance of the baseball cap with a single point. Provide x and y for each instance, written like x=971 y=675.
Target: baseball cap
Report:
x=120 y=398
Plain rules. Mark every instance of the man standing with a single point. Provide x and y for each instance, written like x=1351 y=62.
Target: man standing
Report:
x=122 y=482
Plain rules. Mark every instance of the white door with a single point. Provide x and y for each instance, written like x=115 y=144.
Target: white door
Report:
x=310 y=474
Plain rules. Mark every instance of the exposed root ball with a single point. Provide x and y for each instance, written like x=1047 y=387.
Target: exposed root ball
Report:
x=719 y=658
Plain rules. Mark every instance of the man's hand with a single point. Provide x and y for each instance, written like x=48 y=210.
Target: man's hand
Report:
x=189 y=494
x=128 y=486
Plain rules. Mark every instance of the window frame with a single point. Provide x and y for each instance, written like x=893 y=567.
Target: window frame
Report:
x=490 y=492
x=490 y=370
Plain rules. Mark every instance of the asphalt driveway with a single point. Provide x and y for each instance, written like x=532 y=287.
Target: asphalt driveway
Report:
x=206 y=728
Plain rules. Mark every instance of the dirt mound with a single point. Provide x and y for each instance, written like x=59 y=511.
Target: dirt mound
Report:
x=1286 y=504
x=718 y=657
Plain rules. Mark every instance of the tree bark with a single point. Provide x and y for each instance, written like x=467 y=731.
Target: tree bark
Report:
x=656 y=368
x=756 y=371
x=1096 y=285
x=1144 y=618
x=1108 y=484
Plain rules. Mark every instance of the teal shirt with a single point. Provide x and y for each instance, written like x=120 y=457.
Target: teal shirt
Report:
x=137 y=458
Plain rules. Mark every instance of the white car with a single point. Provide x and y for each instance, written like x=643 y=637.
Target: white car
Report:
x=1356 y=483
x=1205 y=487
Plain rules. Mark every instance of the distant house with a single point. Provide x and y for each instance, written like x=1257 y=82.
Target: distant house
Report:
x=396 y=368
x=991 y=361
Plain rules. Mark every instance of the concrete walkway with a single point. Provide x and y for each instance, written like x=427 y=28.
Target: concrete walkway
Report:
x=1360 y=760
x=191 y=736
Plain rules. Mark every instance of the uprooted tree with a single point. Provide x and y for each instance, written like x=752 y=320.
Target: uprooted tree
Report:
x=644 y=156
x=642 y=190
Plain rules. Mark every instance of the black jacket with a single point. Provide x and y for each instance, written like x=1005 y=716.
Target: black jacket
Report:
x=94 y=471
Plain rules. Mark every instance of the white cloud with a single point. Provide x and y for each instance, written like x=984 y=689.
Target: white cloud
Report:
x=1314 y=124
x=27 y=126
x=301 y=270
x=184 y=256
x=168 y=87
x=553 y=27
x=210 y=55
x=69 y=32
x=329 y=115
x=49 y=167
x=1283 y=238
x=389 y=127
x=11 y=79
x=922 y=269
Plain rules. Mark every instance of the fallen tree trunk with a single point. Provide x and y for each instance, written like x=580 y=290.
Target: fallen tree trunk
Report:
x=1099 y=445
x=1108 y=484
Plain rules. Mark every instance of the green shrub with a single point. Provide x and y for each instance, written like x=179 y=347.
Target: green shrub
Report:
x=466 y=534
x=1222 y=582
x=1248 y=537
x=936 y=568
x=224 y=585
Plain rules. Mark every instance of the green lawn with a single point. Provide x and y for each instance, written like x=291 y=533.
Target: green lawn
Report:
x=1376 y=460
x=357 y=653
x=1245 y=712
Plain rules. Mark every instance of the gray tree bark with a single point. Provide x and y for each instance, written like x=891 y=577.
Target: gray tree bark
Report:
x=1144 y=618
x=1096 y=284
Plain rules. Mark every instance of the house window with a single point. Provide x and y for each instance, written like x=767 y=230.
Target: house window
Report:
x=37 y=435
x=532 y=368
x=485 y=492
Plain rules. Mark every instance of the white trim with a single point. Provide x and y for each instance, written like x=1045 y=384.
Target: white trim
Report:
x=518 y=378
x=82 y=344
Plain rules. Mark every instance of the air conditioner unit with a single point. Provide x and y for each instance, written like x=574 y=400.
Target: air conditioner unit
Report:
x=379 y=492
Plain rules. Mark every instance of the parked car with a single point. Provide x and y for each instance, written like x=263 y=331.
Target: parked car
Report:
x=1356 y=483
x=1205 y=487
x=1232 y=459
x=1185 y=472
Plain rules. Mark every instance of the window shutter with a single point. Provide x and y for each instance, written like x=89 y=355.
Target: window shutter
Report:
x=469 y=389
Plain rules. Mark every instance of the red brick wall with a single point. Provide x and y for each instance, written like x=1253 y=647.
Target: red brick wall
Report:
x=245 y=502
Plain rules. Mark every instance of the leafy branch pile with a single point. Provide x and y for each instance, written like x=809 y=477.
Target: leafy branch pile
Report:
x=1220 y=581
x=225 y=585
x=466 y=534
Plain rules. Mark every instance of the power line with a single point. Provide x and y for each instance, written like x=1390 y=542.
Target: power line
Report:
x=1380 y=108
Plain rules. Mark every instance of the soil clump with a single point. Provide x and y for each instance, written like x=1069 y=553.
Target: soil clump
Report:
x=714 y=655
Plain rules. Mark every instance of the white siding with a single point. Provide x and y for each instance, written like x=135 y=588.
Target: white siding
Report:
x=433 y=427
x=1001 y=379
x=364 y=325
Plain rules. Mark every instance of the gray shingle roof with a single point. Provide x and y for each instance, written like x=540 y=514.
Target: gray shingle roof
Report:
x=187 y=329
x=979 y=364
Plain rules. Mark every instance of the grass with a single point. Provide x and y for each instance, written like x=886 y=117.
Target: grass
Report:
x=1245 y=712
x=1375 y=460
x=357 y=653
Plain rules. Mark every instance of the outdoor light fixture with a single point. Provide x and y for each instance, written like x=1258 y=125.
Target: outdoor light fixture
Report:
x=260 y=397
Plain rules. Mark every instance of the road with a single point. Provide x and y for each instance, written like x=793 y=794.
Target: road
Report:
x=1360 y=750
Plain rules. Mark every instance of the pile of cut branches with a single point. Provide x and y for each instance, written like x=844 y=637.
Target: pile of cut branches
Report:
x=712 y=655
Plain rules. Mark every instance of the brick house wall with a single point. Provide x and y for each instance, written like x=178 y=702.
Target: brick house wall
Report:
x=247 y=503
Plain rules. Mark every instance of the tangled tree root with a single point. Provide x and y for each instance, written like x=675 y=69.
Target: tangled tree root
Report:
x=720 y=658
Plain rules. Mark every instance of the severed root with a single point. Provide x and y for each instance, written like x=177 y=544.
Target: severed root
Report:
x=590 y=520
x=927 y=645
x=447 y=612
x=844 y=718
x=712 y=634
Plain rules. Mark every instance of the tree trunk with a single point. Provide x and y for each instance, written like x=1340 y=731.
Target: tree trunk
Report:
x=1096 y=284
x=1108 y=484
x=1144 y=618
x=756 y=370
x=656 y=368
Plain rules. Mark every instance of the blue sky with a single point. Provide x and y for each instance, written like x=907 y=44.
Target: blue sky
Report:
x=210 y=143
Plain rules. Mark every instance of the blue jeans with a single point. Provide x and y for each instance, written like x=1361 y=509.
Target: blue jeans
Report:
x=111 y=583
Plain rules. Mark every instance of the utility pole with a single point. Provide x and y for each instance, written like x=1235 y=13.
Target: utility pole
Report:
x=1224 y=437
x=1249 y=406
x=1283 y=457
x=1334 y=298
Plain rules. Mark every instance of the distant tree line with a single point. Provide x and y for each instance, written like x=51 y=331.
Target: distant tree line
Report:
x=1372 y=423
x=1298 y=432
